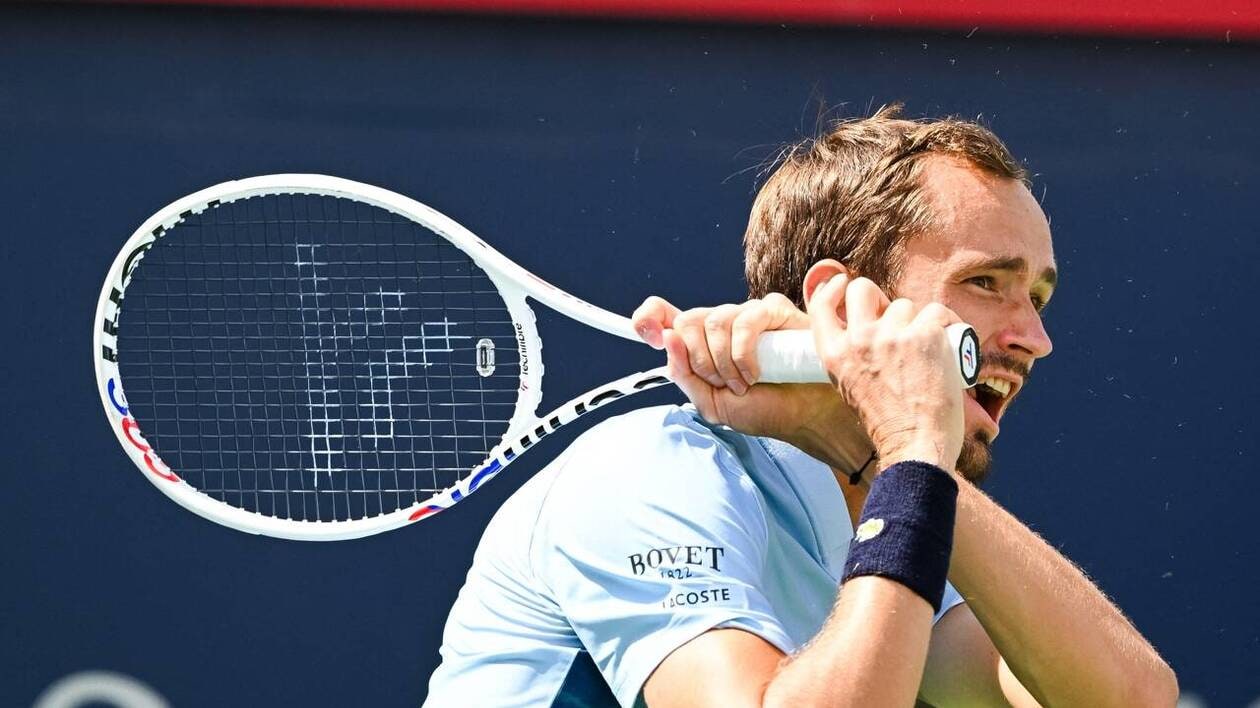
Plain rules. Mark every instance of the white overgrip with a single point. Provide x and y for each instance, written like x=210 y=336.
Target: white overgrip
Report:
x=789 y=356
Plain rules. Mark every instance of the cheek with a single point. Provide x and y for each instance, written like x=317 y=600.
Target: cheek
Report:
x=982 y=313
x=971 y=310
x=971 y=307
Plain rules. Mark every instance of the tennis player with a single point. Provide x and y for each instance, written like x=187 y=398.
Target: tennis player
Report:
x=813 y=545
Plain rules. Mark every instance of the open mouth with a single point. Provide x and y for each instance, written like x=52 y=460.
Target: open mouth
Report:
x=993 y=394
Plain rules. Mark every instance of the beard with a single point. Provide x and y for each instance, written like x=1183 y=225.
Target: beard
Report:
x=976 y=459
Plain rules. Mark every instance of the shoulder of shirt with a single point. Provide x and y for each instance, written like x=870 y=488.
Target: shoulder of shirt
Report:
x=649 y=455
x=661 y=434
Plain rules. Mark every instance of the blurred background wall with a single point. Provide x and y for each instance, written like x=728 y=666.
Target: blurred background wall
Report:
x=617 y=158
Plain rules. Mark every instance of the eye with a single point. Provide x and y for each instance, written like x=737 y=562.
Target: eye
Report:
x=1039 y=303
x=984 y=281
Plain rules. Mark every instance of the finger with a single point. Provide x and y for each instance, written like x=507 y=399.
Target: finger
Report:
x=937 y=315
x=936 y=318
x=864 y=302
x=824 y=317
x=717 y=331
x=900 y=312
x=784 y=313
x=679 y=371
x=690 y=326
x=651 y=318
x=772 y=312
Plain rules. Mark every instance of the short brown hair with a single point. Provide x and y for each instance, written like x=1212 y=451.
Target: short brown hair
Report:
x=854 y=193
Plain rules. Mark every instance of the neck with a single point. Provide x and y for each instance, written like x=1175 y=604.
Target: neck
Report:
x=829 y=431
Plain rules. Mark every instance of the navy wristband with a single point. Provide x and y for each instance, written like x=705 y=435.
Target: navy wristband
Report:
x=907 y=529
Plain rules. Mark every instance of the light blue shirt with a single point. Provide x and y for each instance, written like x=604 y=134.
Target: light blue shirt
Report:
x=651 y=529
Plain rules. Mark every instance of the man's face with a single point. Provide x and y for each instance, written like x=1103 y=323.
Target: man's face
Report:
x=990 y=260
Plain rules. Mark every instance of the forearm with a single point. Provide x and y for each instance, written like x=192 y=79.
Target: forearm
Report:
x=870 y=652
x=1064 y=641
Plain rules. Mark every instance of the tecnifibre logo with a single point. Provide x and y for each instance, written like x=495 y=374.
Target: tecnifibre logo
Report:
x=520 y=347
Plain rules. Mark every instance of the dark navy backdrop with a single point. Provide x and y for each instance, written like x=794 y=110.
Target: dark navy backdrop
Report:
x=617 y=160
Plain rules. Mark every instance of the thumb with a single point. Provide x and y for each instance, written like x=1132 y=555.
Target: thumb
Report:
x=651 y=318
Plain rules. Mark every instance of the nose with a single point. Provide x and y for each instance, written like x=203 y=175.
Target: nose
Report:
x=1025 y=333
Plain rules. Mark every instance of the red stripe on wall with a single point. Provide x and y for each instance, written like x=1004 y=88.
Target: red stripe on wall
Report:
x=1222 y=20
x=1225 y=21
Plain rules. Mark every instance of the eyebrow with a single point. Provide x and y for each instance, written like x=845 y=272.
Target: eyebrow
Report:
x=1018 y=265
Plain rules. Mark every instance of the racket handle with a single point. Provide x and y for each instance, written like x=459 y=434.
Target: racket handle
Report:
x=788 y=356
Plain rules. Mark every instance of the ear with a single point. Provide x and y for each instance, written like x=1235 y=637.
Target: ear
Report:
x=819 y=273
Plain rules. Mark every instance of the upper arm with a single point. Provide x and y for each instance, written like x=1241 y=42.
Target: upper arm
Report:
x=722 y=667
x=965 y=669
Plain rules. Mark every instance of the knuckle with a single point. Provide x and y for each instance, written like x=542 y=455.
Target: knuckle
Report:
x=692 y=318
x=643 y=310
x=924 y=338
x=936 y=309
x=719 y=317
x=778 y=301
x=653 y=307
x=748 y=320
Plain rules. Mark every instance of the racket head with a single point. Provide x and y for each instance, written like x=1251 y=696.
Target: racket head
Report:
x=113 y=364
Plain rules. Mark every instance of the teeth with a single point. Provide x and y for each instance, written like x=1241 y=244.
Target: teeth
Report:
x=1002 y=387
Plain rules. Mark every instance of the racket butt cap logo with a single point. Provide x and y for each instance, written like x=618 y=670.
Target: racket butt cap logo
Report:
x=969 y=356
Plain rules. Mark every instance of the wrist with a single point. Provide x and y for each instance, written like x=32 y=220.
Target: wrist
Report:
x=927 y=451
x=830 y=432
x=906 y=529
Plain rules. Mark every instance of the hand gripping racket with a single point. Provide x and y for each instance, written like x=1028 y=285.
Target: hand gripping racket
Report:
x=312 y=358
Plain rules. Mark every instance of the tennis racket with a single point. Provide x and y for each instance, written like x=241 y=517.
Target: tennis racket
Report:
x=312 y=358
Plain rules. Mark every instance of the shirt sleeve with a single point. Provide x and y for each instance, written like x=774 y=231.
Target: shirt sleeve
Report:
x=948 y=601
x=650 y=536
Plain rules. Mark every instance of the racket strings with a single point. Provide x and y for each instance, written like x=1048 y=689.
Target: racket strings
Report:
x=313 y=357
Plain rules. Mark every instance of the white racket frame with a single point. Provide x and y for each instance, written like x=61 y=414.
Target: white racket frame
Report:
x=786 y=357
x=514 y=283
